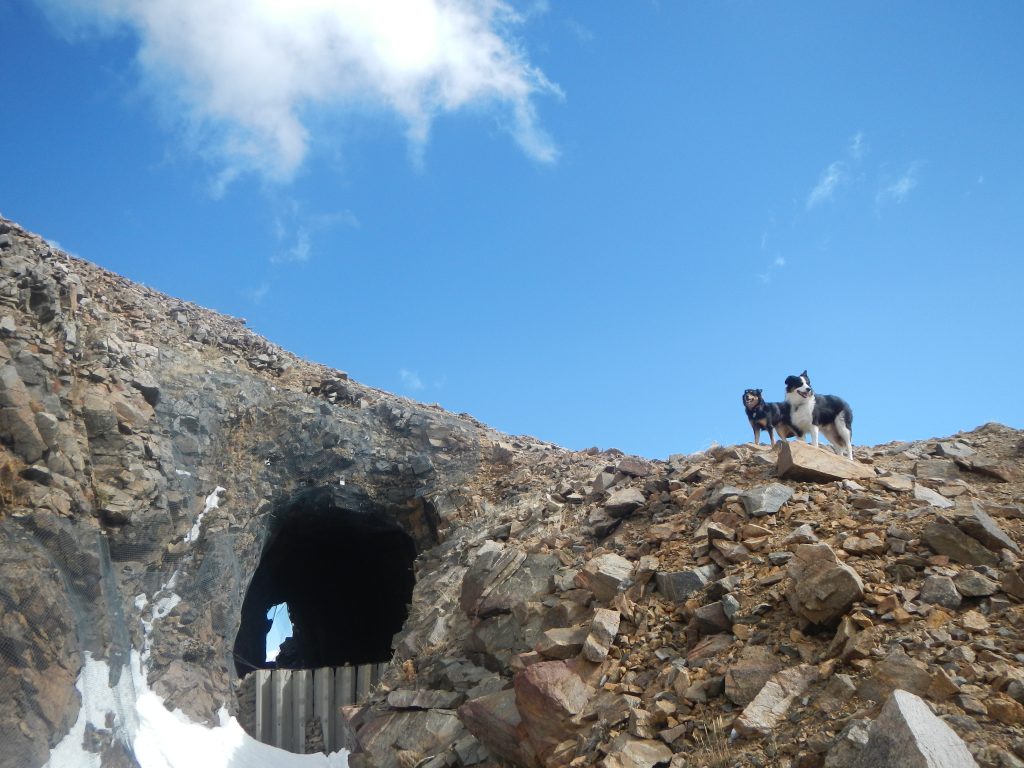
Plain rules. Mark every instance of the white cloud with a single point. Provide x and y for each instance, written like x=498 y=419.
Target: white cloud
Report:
x=294 y=228
x=857 y=147
x=898 y=190
x=831 y=178
x=296 y=250
x=411 y=379
x=258 y=294
x=246 y=74
x=779 y=262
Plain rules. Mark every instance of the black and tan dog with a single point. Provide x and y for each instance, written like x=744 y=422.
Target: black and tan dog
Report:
x=773 y=417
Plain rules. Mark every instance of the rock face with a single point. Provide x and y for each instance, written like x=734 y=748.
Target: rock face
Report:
x=166 y=476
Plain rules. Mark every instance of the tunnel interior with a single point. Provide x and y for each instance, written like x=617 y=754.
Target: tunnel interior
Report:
x=347 y=579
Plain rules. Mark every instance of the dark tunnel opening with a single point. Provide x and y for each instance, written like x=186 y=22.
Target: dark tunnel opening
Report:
x=347 y=578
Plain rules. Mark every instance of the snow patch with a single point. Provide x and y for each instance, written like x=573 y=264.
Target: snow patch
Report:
x=212 y=502
x=162 y=739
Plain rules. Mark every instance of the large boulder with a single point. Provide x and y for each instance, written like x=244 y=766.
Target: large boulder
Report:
x=822 y=589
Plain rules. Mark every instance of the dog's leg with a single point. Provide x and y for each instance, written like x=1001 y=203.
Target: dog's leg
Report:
x=771 y=436
x=845 y=436
x=814 y=435
x=757 y=435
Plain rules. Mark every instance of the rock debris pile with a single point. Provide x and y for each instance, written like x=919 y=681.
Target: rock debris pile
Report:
x=744 y=606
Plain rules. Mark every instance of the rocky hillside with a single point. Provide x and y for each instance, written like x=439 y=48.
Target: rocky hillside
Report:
x=735 y=607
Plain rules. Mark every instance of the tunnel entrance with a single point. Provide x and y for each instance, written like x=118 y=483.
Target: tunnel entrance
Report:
x=346 y=577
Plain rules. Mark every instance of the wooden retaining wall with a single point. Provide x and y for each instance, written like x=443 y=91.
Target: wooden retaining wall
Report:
x=300 y=709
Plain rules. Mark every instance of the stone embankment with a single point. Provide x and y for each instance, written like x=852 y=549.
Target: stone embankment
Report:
x=742 y=606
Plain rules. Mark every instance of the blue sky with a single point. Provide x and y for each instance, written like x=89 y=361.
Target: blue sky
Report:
x=591 y=222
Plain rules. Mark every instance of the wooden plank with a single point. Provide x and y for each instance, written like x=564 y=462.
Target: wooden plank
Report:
x=262 y=703
x=344 y=686
x=363 y=673
x=323 y=687
x=344 y=694
x=302 y=699
x=280 y=707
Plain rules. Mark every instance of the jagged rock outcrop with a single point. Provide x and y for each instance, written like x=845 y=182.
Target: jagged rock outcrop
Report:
x=163 y=469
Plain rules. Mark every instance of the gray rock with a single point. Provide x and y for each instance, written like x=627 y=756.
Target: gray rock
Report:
x=946 y=539
x=606 y=576
x=603 y=629
x=930 y=497
x=908 y=735
x=939 y=590
x=679 y=585
x=849 y=744
x=973 y=584
x=979 y=525
x=766 y=500
x=624 y=502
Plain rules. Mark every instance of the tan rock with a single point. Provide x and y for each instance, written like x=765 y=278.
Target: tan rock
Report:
x=495 y=721
x=548 y=696
x=800 y=461
x=1005 y=710
x=821 y=588
x=605 y=575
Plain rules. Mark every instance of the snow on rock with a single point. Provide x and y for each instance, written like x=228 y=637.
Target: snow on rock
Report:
x=212 y=502
x=159 y=738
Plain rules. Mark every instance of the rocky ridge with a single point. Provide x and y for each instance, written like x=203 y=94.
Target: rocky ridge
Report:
x=733 y=607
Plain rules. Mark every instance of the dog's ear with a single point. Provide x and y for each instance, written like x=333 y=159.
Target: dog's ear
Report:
x=758 y=391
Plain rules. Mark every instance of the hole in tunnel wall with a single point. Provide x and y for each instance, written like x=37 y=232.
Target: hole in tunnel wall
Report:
x=346 y=579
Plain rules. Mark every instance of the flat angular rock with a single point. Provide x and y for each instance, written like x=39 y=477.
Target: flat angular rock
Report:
x=710 y=619
x=978 y=524
x=936 y=469
x=766 y=500
x=405 y=699
x=548 y=696
x=973 y=584
x=821 y=588
x=630 y=752
x=896 y=482
x=745 y=679
x=946 y=539
x=907 y=734
x=930 y=497
x=634 y=467
x=679 y=585
x=940 y=590
x=602 y=634
x=562 y=642
x=895 y=671
x=762 y=715
x=495 y=721
x=605 y=576
x=624 y=502
x=800 y=461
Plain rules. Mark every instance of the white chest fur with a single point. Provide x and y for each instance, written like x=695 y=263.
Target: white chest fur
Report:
x=801 y=413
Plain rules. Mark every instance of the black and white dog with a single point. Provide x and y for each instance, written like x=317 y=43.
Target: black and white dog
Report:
x=773 y=417
x=829 y=414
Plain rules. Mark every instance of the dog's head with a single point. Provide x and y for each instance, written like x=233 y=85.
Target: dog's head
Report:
x=799 y=386
x=752 y=398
